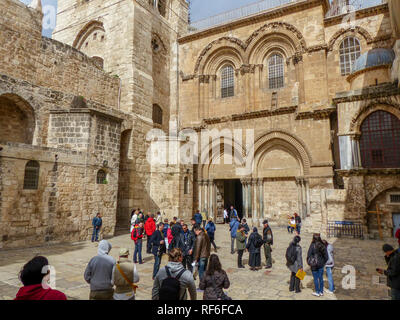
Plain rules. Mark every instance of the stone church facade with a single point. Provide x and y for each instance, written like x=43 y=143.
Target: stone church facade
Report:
x=79 y=113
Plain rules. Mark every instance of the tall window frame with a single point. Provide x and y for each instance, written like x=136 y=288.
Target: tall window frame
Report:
x=31 y=175
x=276 y=71
x=227 y=81
x=380 y=140
x=349 y=51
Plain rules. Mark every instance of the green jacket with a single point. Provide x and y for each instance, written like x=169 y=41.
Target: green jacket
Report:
x=240 y=241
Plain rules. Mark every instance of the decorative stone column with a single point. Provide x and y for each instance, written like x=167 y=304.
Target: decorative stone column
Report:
x=249 y=198
x=308 y=204
x=261 y=197
x=200 y=184
x=244 y=197
x=254 y=183
x=211 y=198
x=205 y=187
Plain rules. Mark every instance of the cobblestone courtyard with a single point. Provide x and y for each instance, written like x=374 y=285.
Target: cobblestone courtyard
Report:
x=70 y=261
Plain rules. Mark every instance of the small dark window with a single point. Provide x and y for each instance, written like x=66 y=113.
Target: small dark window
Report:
x=157 y=114
x=101 y=177
x=395 y=198
x=31 y=178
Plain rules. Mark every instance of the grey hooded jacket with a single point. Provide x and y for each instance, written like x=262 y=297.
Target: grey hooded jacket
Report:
x=186 y=280
x=99 y=270
x=330 y=263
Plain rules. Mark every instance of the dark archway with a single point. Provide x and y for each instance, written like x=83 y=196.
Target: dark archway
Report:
x=124 y=188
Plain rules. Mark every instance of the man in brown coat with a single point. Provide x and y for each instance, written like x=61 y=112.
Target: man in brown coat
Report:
x=202 y=249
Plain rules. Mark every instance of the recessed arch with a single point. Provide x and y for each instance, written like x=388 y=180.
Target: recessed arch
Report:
x=17 y=121
x=291 y=143
x=359 y=32
x=364 y=112
x=220 y=47
x=86 y=31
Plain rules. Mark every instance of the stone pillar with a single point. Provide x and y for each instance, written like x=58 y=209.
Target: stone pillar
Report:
x=249 y=198
x=254 y=183
x=261 y=187
x=205 y=187
x=211 y=198
x=244 y=199
x=308 y=204
x=200 y=184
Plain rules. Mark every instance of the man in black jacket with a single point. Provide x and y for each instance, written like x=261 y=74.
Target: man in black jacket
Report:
x=188 y=240
x=268 y=240
x=157 y=244
x=392 y=273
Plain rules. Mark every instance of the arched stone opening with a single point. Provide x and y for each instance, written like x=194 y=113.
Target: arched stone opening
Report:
x=388 y=204
x=17 y=121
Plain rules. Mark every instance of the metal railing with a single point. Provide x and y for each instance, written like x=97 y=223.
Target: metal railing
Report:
x=339 y=7
x=339 y=229
x=238 y=13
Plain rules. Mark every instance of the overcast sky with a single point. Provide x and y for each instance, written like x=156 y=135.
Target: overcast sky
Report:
x=200 y=9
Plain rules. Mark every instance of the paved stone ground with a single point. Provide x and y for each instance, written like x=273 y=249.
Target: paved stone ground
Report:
x=70 y=261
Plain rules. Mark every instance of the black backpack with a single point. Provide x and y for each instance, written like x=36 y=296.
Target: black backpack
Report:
x=258 y=242
x=291 y=255
x=170 y=287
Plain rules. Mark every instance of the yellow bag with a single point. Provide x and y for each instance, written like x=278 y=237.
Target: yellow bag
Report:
x=301 y=274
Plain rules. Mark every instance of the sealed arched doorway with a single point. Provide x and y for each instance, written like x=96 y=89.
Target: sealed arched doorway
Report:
x=17 y=120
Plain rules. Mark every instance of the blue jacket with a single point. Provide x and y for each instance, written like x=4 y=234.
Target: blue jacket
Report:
x=210 y=228
x=234 y=225
x=97 y=222
x=198 y=218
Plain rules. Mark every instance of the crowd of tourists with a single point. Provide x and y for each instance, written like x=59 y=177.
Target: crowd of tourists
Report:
x=188 y=247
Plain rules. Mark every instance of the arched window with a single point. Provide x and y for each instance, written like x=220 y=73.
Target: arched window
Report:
x=31 y=178
x=275 y=71
x=186 y=185
x=349 y=51
x=157 y=114
x=380 y=141
x=227 y=82
x=101 y=177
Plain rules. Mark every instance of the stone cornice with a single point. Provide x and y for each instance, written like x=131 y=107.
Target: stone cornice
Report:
x=362 y=13
x=90 y=111
x=368 y=172
x=270 y=14
x=251 y=115
x=316 y=114
x=384 y=90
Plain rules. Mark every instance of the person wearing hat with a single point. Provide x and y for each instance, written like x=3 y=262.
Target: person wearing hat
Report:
x=392 y=273
x=240 y=244
x=124 y=276
x=268 y=242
